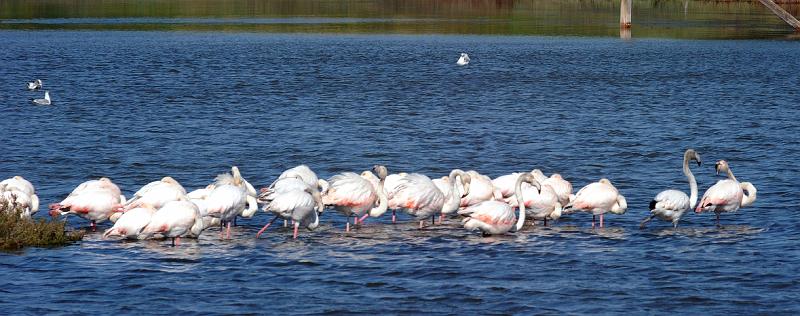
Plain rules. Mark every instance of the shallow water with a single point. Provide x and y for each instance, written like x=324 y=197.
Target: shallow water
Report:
x=142 y=105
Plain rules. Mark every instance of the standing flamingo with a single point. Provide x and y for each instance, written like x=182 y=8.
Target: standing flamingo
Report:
x=598 y=198
x=228 y=199
x=561 y=187
x=131 y=223
x=670 y=205
x=419 y=196
x=454 y=187
x=726 y=195
x=306 y=174
x=94 y=200
x=389 y=186
x=497 y=217
x=354 y=195
x=480 y=189
x=174 y=220
x=22 y=193
x=157 y=193
x=301 y=206
x=541 y=201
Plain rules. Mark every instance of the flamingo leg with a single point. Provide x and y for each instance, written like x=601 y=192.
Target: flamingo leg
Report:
x=228 y=231
x=285 y=223
x=361 y=221
x=394 y=216
x=601 y=220
x=93 y=225
x=718 y=225
x=592 y=221
x=421 y=223
x=296 y=225
x=441 y=218
x=545 y=221
x=258 y=234
x=173 y=241
x=433 y=219
x=347 y=226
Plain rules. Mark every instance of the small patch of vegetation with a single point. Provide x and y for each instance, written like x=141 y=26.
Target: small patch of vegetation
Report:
x=17 y=232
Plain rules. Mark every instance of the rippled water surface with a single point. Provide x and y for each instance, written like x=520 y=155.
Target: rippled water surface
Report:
x=139 y=106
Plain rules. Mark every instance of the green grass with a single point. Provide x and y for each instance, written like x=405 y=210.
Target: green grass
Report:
x=17 y=233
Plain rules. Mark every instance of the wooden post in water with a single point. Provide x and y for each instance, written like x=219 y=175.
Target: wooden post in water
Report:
x=781 y=13
x=625 y=14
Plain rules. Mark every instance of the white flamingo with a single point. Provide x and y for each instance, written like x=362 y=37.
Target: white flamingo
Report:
x=463 y=59
x=419 y=196
x=45 y=101
x=228 y=199
x=23 y=194
x=174 y=220
x=497 y=217
x=157 y=193
x=301 y=206
x=561 y=187
x=130 y=223
x=354 y=195
x=306 y=174
x=389 y=186
x=598 y=198
x=94 y=200
x=35 y=85
x=670 y=205
x=541 y=201
x=726 y=195
x=454 y=187
x=228 y=178
x=480 y=189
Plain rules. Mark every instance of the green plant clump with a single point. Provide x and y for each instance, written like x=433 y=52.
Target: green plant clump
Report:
x=17 y=232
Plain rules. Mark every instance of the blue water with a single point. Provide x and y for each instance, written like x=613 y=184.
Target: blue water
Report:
x=139 y=106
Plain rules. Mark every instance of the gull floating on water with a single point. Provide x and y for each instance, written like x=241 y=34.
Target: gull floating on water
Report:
x=45 y=101
x=463 y=60
x=34 y=85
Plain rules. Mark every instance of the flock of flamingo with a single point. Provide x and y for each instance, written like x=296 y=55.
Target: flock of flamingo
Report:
x=164 y=209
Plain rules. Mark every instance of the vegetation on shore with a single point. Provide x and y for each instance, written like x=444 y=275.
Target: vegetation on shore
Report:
x=17 y=232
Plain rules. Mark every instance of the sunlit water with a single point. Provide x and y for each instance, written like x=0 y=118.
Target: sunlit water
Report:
x=139 y=106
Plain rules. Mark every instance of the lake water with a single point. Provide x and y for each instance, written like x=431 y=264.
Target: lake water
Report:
x=137 y=106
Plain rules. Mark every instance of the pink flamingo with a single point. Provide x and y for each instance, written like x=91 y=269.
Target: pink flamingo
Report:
x=157 y=193
x=454 y=186
x=480 y=189
x=297 y=205
x=131 y=223
x=228 y=199
x=497 y=217
x=94 y=200
x=354 y=195
x=726 y=195
x=419 y=196
x=174 y=220
x=598 y=198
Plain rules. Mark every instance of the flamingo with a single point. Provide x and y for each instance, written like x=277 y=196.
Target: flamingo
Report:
x=354 y=195
x=228 y=199
x=497 y=217
x=480 y=189
x=130 y=223
x=155 y=194
x=419 y=196
x=35 y=85
x=541 y=201
x=726 y=195
x=598 y=198
x=228 y=178
x=454 y=187
x=561 y=187
x=463 y=59
x=306 y=174
x=45 y=101
x=94 y=200
x=198 y=197
x=297 y=205
x=174 y=220
x=670 y=205
x=23 y=194
x=390 y=185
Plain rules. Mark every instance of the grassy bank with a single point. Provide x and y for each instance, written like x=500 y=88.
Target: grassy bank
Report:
x=17 y=233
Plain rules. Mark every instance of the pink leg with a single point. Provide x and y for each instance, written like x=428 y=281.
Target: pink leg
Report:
x=347 y=226
x=228 y=231
x=421 y=223
x=361 y=221
x=93 y=225
x=296 y=225
x=601 y=220
x=178 y=241
x=266 y=226
x=394 y=217
x=441 y=218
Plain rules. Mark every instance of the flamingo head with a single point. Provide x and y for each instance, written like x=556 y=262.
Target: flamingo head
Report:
x=381 y=171
x=691 y=154
x=721 y=166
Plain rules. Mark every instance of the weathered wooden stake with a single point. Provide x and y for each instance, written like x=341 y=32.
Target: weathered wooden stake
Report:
x=781 y=13
x=625 y=14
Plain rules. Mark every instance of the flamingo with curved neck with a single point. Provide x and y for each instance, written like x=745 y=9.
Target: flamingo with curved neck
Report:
x=727 y=195
x=495 y=216
x=670 y=205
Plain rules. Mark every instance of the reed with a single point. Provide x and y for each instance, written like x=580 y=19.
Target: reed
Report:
x=17 y=233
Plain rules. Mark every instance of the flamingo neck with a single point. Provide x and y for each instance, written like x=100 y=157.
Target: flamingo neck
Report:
x=520 y=203
x=383 y=201
x=692 y=183
x=730 y=174
x=750 y=197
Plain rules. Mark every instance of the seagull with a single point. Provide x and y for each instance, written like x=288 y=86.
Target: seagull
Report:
x=45 y=101
x=35 y=85
x=463 y=60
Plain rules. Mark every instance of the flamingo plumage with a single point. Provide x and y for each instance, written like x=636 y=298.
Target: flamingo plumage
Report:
x=94 y=200
x=354 y=195
x=174 y=220
x=598 y=198
x=302 y=206
x=496 y=217
x=670 y=205
x=130 y=223
x=726 y=195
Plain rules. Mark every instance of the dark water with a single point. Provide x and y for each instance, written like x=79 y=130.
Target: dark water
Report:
x=651 y=18
x=142 y=105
